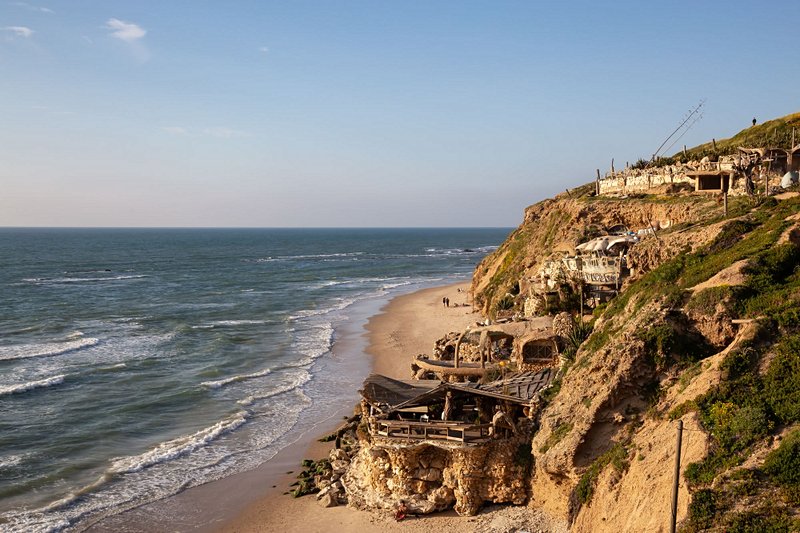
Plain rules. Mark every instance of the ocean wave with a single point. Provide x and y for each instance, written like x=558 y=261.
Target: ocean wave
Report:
x=45 y=281
x=312 y=342
x=234 y=379
x=301 y=380
x=404 y=280
x=334 y=256
x=228 y=323
x=10 y=461
x=460 y=251
x=25 y=387
x=341 y=303
x=26 y=351
x=174 y=448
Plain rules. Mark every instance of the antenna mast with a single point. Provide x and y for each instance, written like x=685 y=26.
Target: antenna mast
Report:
x=686 y=119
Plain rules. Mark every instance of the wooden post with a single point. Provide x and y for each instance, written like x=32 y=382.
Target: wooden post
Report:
x=714 y=142
x=725 y=202
x=597 y=184
x=684 y=151
x=676 y=478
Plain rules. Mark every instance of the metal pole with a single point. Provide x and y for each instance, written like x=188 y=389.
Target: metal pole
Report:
x=674 y=517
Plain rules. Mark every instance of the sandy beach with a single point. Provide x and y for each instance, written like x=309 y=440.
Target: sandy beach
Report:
x=407 y=326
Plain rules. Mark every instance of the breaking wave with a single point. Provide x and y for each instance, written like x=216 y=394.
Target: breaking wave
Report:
x=242 y=377
x=43 y=281
x=25 y=387
x=25 y=351
x=169 y=450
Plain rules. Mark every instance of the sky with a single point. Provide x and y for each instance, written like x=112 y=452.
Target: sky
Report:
x=257 y=113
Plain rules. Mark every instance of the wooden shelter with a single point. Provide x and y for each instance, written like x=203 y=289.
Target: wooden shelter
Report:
x=458 y=412
x=712 y=180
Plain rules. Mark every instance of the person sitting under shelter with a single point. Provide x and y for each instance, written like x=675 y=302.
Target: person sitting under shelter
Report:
x=501 y=420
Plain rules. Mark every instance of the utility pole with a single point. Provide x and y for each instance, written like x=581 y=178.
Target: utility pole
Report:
x=674 y=517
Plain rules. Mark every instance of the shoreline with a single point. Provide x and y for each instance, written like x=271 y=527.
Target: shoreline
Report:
x=390 y=333
x=405 y=326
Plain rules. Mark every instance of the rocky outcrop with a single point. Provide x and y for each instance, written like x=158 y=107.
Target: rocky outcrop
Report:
x=432 y=477
x=559 y=224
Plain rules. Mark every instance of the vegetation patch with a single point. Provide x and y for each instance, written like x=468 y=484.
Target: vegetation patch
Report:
x=705 y=302
x=745 y=407
x=617 y=456
x=555 y=437
x=783 y=466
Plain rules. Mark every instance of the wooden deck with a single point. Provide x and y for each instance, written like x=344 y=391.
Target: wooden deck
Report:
x=449 y=431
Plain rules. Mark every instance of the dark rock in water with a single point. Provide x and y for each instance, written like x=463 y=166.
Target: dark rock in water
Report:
x=467 y=250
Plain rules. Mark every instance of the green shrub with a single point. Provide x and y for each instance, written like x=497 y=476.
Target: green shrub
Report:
x=783 y=465
x=702 y=509
x=782 y=381
x=772 y=267
x=766 y=520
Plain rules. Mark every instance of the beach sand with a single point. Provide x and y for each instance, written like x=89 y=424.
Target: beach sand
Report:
x=407 y=326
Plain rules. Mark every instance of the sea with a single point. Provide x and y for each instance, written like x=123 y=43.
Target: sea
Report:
x=137 y=363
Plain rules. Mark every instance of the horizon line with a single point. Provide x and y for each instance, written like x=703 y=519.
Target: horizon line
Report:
x=255 y=227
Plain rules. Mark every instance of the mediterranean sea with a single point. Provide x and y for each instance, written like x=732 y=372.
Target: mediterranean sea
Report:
x=136 y=363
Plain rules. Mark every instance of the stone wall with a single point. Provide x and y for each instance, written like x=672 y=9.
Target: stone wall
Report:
x=632 y=181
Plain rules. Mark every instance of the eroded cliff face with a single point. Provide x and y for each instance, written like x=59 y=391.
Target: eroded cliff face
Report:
x=560 y=223
x=433 y=477
x=704 y=297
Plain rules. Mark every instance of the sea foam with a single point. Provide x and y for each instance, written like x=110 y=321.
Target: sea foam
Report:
x=25 y=387
x=25 y=351
x=171 y=449
x=233 y=379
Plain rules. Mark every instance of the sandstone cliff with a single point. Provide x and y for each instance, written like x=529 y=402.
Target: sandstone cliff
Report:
x=706 y=329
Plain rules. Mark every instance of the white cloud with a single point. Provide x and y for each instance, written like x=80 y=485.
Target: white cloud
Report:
x=39 y=9
x=175 y=130
x=224 y=133
x=125 y=31
x=19 y=31
x=264 y=50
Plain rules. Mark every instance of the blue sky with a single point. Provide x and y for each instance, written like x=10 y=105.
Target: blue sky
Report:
x=361 y=113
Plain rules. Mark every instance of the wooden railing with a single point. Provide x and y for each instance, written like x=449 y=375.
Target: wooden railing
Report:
x=451 y=431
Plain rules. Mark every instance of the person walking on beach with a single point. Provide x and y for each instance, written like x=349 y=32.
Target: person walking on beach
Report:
x=447 y=302
x=444 y=301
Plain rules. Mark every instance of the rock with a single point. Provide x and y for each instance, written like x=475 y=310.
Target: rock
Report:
x=442 y=497
x=339 y=467
x=328 y=500
x=337 y=454
x=418 y=506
